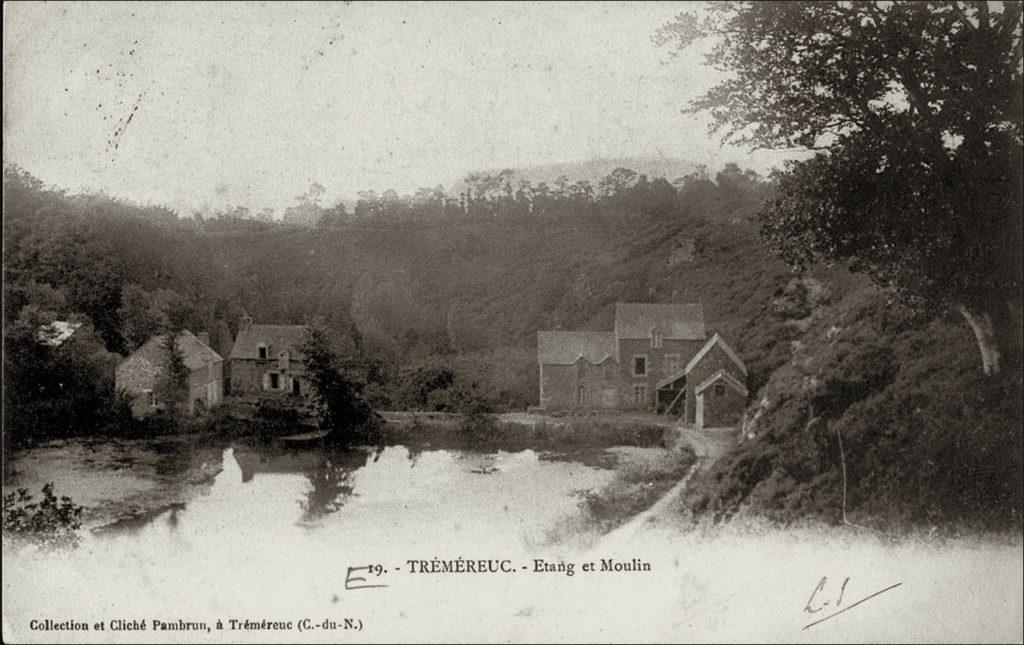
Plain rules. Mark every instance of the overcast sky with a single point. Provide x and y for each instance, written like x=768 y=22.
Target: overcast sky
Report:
x=192 y=104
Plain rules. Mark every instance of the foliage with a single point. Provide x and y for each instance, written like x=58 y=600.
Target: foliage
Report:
x=48 y=523
x=146 y=314
x=172 y=387
x=277 y=412
x=337 y=385
x=927 y=440
x=635 y=488
x=442 y=313
x=481 y=431
x=46 y=387
x=477 y=425
x=915 y=110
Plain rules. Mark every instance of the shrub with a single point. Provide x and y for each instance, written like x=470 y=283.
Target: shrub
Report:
x=927 y=440
x=48 y=523
x=277 y=413
x=478 y=426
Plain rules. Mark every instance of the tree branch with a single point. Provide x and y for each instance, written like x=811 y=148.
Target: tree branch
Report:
x=963 y=16
x=983 y=17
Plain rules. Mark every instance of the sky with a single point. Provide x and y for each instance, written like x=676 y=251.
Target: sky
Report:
x=207 y=105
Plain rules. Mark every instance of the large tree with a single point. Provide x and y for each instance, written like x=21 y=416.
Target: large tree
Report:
x=912 y=116
x=337 y=385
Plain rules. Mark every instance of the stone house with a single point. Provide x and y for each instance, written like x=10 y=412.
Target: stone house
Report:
x=266 y=361
x=657 y=358
x=140 y=372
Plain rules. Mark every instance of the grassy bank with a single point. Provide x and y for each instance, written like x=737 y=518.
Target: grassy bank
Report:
x=881 y=420
x=642 y=477
x=490 y=432
x=636 y=486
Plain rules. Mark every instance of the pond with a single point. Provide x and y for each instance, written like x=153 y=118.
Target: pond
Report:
x=194 y=532
x=394 y=497
x=201 y=528
x=171 y=489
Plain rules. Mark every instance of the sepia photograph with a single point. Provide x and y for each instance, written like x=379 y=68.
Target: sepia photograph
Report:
x=510 y=322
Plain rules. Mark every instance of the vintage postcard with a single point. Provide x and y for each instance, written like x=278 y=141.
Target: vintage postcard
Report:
x=331 y=322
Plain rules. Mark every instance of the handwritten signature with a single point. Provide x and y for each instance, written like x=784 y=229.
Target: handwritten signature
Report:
x=821 y=599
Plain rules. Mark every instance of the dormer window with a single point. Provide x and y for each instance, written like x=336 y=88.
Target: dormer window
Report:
x=262 y=351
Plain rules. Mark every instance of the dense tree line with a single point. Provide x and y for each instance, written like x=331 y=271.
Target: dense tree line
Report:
x=440 y=306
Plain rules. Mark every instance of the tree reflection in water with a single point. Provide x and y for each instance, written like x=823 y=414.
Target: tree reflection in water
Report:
x=330 y=486
x=329 y=472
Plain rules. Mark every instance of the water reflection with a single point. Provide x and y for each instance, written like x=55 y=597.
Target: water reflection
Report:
x=265 y=495
x=328 y=473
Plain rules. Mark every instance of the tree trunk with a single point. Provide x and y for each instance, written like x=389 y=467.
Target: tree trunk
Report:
x=984 y=333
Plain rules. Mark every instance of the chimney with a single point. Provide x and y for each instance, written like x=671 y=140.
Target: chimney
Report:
x=244 y=323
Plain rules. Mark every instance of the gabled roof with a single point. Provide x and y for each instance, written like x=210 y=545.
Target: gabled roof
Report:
x=716 y=340
x=55 y=333
x=195 y=353
x=275 y=337
x=722 y=375
x=567 y=347
x=679 y=322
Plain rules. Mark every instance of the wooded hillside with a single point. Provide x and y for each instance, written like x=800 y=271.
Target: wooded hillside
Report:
x=440 y=298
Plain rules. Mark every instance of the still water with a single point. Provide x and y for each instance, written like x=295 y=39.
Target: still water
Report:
x=416 y=500
x=242 y=533
x=265 y=532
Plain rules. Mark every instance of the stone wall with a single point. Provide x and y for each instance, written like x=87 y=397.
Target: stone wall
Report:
x=611 y=385
x=662 y=362
x=581 y=385
x=137 y=376
x=200 y=394
x=249 y=377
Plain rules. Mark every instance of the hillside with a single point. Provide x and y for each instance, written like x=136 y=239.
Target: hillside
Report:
x=442 y=315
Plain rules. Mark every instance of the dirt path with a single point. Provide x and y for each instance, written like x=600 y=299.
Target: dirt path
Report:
x=709 y=444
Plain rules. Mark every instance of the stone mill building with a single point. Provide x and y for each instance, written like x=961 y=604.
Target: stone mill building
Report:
x=657 y=358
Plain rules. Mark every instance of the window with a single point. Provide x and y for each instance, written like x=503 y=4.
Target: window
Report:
x=581 y=394
x=275 y=381
x=719 y=389
x=262 y=349
x=640 y=395
x=150 y=398
x=639 y=366
x=655 y=339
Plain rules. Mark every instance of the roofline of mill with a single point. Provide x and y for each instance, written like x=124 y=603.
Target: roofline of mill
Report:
x=725 y=376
